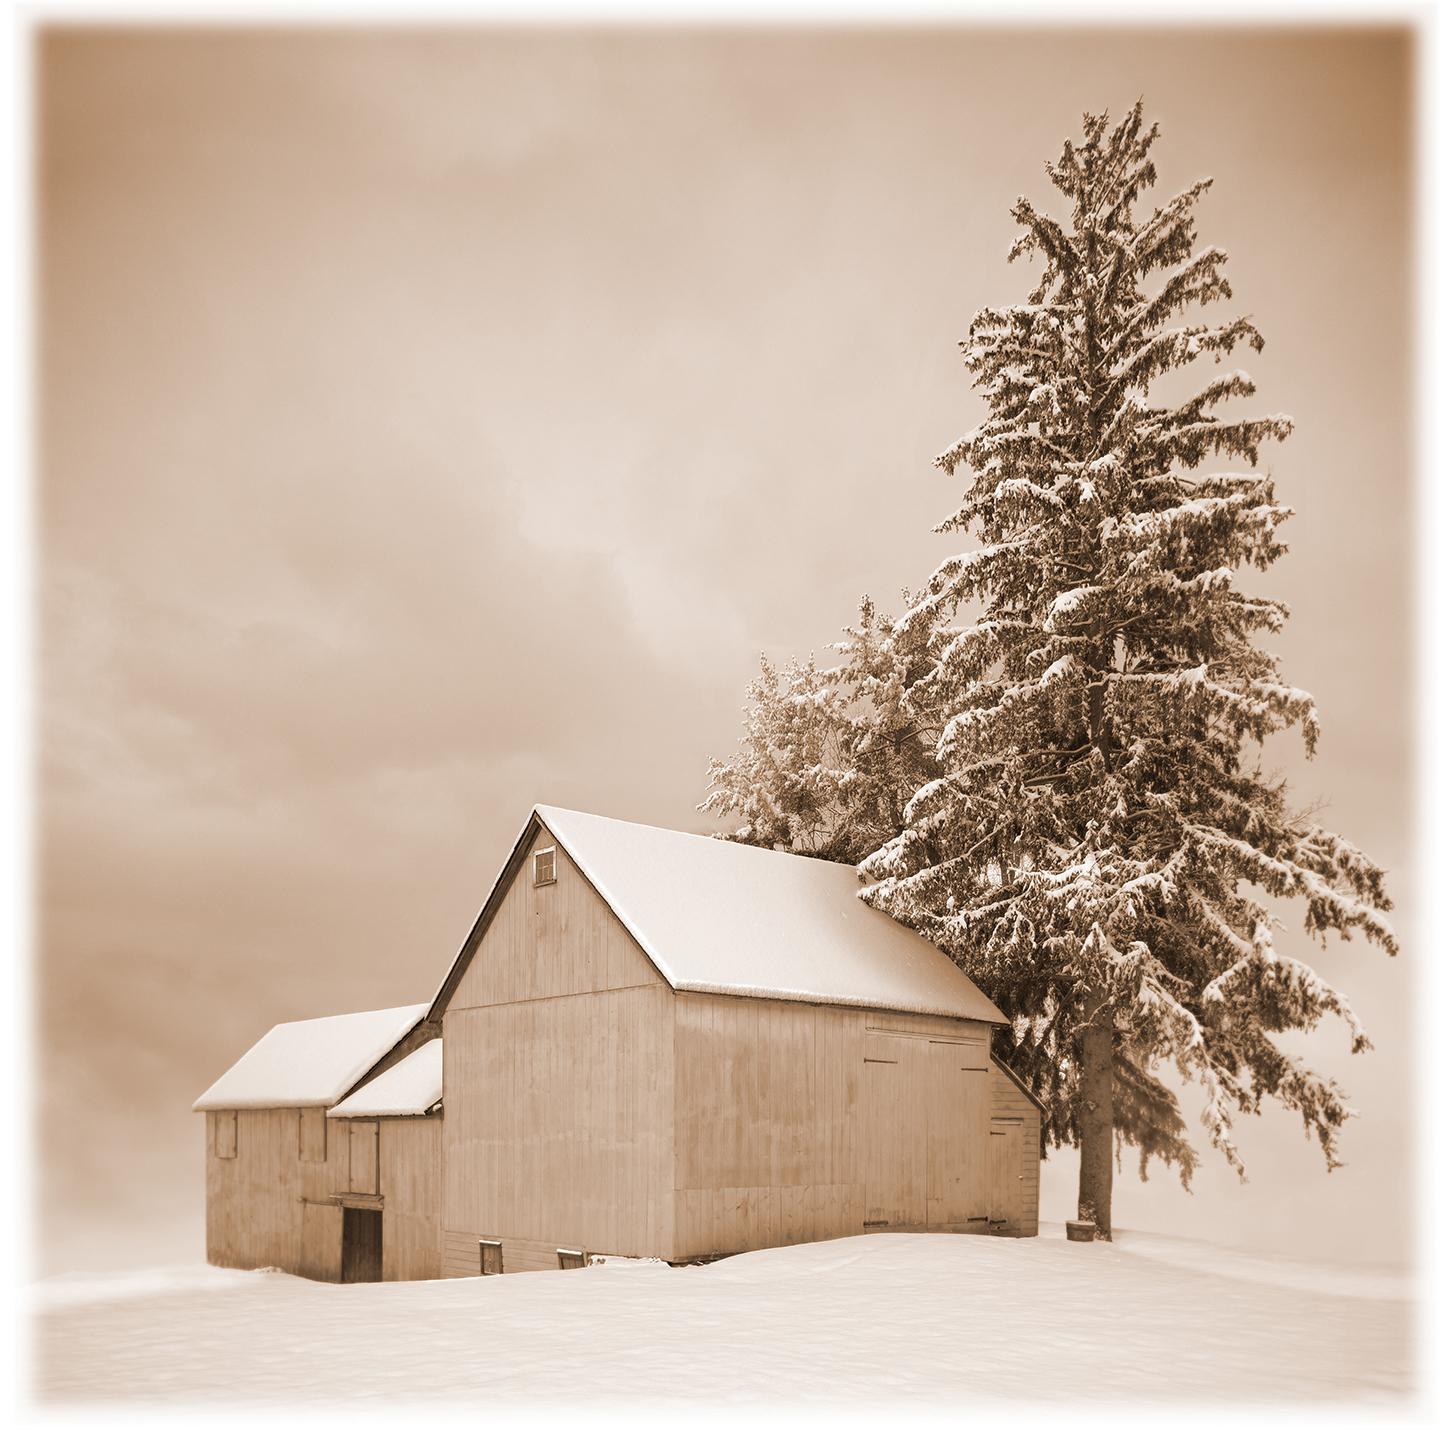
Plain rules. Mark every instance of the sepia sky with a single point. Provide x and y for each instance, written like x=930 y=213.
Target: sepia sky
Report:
x=434 y=423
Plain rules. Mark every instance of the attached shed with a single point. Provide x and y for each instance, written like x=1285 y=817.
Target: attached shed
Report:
x=665 y=1045
x=396 y=1119
x=291 y=1186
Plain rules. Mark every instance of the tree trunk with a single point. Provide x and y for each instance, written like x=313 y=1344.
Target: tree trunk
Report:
x=1097 y=1122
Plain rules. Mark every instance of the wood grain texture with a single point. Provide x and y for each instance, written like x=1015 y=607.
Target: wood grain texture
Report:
x=798 y=1122
x=558 y=1081
x=410 y=1181
x=270 y=1206
x=364 y=1158
x=461 y=1257
x=551 y=940
x=1010 y=1106
x=321 y=1229
x=253 y=1211
x=957 y=1113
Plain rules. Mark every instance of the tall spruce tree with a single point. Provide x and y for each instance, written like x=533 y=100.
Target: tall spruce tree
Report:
x=1100 y=849
x=1063 y=792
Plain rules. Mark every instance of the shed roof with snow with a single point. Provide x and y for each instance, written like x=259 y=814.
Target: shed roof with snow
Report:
x=730 y=919
x=310 y=1062
x=411 y=1086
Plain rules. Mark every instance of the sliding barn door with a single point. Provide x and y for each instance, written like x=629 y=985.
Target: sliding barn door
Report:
x=958 y=1102
x=893 y=1097
x=926 y=1106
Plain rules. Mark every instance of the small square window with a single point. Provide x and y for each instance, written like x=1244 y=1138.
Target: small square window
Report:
x=545 y=866
x=492 y=1259
x=571 y=1259
x=225 y=1134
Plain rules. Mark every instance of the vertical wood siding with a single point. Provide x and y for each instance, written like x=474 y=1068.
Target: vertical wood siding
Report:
x=364 y=1158
x=1011 y=1108
x=549 y=940
x=270 y=1206
x=253 y=1211
x=558 y=1084
x=799 y=1122
x=957 y=1111
x=410 y=1170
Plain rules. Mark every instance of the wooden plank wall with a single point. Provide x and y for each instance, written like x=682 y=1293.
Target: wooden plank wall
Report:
x=772 y=1138
x=559 y=939
x=410 y=1166
x=257 y=1203
x=268 y=1206
x=558 y=1084
x=462 y=1254
x=957 y=1111
x=1009 y=1106
x=770 y=1124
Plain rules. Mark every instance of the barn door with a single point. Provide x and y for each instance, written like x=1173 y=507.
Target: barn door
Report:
x=893 y=1098
x=1005 y=1179
x=320 y=1241
x=958 y=1101
x=364 y=1157
x=360 y=1256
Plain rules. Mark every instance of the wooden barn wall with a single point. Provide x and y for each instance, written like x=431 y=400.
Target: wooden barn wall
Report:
x=774 y=1139
x=549 y=940
x=1009 y=1106
x=271 y=1204
x=410 y=1167
x=765 y=1123
x=264 y=1206
x=558 y=1084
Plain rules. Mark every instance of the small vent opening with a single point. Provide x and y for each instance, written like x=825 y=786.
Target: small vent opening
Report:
x=545 y=866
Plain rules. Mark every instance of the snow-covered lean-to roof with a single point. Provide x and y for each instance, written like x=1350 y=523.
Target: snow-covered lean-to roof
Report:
x=409 y=1087
x=310 y=1062
x=733 y=919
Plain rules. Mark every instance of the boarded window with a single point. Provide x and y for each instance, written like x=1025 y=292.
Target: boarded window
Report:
x=571 y=1259
x=364 y=1157
x=225 y=1134
x=545 y=866
x=312 y=1137
x=492 y=1260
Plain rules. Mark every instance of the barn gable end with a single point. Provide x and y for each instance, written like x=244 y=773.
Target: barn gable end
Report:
x=558 y=1076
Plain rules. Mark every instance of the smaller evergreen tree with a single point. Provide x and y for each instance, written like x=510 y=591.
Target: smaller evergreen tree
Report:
x=831 y=754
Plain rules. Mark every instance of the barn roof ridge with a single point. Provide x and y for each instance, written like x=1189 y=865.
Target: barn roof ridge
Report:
x=301 y=1063
x=826 y=945
x=411 y=1086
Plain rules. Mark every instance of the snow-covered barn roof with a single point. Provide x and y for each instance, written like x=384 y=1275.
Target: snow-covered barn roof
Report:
x=310 y=1062
x=734 y=919
x=411 y=1086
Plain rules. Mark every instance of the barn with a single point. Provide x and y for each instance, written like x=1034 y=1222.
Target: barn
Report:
x=296 y=1181
x=666 y=1045
x=653 y=1044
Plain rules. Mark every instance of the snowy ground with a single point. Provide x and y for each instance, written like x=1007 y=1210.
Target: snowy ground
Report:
x=877 y=1318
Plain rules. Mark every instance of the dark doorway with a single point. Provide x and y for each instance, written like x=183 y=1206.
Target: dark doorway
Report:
x=360 y=1251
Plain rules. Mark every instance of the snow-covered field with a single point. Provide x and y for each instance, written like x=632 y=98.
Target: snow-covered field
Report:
x=875 y=1318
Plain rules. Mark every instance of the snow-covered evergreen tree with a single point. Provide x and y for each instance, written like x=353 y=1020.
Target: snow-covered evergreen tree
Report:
x=1100 y=849
x=831 y=755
